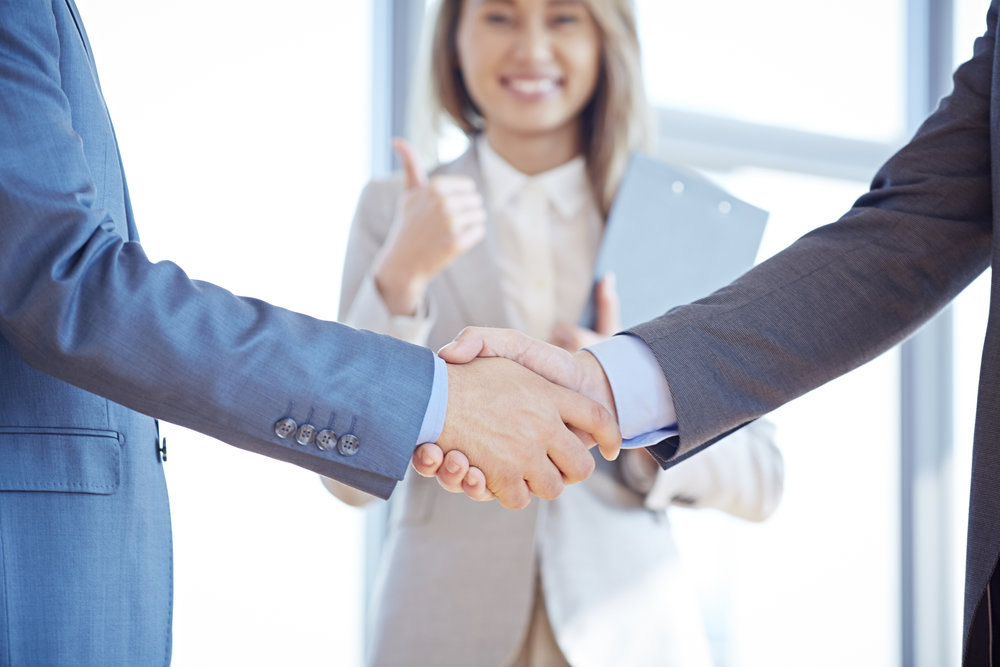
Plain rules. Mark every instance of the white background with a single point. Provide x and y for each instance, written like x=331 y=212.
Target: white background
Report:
x=244 y=129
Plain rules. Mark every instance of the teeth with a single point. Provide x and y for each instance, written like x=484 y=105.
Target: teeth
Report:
x=532 y=86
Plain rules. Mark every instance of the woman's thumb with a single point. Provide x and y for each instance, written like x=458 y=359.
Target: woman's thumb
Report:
x=416 y=177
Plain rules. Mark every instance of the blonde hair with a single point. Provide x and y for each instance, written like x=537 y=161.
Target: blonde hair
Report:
x=615 y=122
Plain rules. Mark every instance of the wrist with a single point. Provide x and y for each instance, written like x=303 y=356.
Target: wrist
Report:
x=595 y=384
x=402 y=291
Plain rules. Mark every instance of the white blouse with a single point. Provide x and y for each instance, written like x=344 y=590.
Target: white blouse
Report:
x=548 y=229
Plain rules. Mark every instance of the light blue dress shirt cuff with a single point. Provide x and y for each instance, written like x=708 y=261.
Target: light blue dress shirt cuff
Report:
x=437 y=406
x=642 y=396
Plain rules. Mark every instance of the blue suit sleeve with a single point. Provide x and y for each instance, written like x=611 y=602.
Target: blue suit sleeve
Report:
x=82 y=303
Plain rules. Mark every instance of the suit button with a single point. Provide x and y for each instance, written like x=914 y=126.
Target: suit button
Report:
x=348 y=444
x=304 y=436
x=285 y=427
x=326 y=440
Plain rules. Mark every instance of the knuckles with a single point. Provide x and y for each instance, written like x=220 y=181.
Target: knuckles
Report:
x=515 y=499
x=603 y=421
x=549 y=487
x=582 y=467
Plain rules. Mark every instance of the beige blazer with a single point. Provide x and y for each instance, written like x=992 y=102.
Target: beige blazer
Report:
x=456 y=580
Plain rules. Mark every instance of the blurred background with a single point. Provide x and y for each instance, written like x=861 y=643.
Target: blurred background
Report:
x=248 y=129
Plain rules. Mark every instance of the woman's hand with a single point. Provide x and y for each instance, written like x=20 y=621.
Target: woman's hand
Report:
x=439 y=219
x=609 y=319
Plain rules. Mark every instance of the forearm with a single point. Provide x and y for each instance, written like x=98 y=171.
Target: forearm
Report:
x=86 y=306
x=846 y=292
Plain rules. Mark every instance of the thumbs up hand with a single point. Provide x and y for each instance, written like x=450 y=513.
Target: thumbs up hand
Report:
x=439 y=219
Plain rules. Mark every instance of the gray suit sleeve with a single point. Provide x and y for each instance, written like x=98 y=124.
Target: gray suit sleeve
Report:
x=81 y=303
x=846 y=292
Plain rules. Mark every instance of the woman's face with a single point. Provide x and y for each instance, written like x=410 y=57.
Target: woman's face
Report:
x=530 y=66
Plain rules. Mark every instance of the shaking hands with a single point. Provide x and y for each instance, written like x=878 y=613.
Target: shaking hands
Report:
x=522 y=415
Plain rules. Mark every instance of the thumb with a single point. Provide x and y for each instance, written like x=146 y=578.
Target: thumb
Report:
x=552 y=363
x=467 y=346
x=473 y=342
x=587 y=415
x=609 y=311
x=416 y=176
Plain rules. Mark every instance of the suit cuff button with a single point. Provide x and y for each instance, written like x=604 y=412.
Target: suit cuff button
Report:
x=348 y=444
x=326 y=440
x=304 y=436
x=285 y=427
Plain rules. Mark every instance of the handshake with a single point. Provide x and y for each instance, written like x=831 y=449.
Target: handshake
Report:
x=521 y=417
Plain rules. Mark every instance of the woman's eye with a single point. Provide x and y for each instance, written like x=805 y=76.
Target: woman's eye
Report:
x=498 y=19
x=564 y=19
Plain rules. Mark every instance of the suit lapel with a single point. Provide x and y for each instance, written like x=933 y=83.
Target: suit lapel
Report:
x=75 y=13
x=475 y=276
x=133 y=233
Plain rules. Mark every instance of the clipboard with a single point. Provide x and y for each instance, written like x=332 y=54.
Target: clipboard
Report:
x=672 y=237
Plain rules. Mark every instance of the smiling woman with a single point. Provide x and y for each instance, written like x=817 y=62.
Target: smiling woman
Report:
x=533 y=70
x=549 y=95
x=552 y=74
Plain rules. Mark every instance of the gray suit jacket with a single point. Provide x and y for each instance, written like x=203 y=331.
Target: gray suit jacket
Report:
x=95 y=340
x=848 y=291
x=457 y=579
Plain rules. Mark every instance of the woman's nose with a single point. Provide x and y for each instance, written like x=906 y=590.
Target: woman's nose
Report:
x=534 y=44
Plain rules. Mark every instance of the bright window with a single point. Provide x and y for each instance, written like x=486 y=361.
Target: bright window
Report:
x=832 y=68
x=827 y=562
x=245 y=133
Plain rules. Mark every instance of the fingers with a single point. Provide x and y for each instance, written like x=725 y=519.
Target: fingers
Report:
x=466 y=346
x=585 y=438
x=610 y=452
x=427 y=459
x=514 y=495
x=609 y=313
x=416 y=176
x=591 y=417
x=549 y=361
x=470 y=236
x=453 y=185
x=571 y=458
x=474 y=485
x=513 y=425
x=548 y=483
x=452 y=472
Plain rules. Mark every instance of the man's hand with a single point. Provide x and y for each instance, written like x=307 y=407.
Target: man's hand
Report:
x=580 y=372
x=453 y=471
x=516 y=428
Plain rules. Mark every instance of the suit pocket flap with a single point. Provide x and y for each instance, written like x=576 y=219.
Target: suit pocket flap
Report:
x=68 y=460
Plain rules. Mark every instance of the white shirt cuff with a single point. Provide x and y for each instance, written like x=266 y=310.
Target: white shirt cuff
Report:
x=437 y=406
x=642 y=396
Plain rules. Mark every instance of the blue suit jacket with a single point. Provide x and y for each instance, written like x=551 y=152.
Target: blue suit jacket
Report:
x=94 y=337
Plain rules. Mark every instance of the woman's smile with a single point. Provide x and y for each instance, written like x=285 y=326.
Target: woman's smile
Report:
x=532 y=87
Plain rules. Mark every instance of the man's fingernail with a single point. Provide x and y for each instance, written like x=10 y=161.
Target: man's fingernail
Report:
x=453 y=467
x=427 y=460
